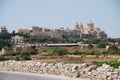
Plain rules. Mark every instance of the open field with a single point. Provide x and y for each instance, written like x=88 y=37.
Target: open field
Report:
x=76 y=58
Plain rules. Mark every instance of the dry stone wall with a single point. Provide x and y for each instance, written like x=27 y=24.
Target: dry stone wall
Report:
x=83 y=70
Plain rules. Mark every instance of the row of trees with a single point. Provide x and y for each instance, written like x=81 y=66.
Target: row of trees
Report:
x=101 y=43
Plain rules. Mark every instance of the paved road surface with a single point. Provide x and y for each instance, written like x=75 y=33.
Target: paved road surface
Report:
x=29 y=76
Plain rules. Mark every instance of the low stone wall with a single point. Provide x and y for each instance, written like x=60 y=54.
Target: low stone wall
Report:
x=83 y=70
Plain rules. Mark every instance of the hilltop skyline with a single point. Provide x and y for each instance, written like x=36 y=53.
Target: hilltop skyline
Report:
x=62 y=13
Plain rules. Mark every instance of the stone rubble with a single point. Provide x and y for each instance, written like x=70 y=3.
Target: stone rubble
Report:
x=83 y=70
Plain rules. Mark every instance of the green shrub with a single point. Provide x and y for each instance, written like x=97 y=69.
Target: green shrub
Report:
x=59 y=51
x=94 y=53
x=114 y=64
x=113 y=48
x=90 y=46
x=102 y=44
x=25 y=56
x=12 y=53
x=77 y=53
x=33 y=52
x=118 y=52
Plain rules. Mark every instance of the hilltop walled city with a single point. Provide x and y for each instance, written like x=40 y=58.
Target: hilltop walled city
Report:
x=78 y=32
x=82 y=52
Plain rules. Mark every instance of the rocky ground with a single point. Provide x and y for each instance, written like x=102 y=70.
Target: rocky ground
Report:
x=87 y=71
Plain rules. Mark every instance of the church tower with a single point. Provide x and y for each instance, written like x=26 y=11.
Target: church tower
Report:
x=77 y=26
x=81 y=28
x=90 y=25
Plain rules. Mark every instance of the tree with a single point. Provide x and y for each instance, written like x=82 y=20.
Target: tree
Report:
x=25 y=56
x=102 y=44
x=113 y=48
x=5 y=36
x=4 y=43
x=111 y=40
x=94 y=40
x=77 y=53
x=90 y=46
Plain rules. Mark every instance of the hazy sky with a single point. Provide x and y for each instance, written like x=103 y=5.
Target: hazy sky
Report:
x=105 y=14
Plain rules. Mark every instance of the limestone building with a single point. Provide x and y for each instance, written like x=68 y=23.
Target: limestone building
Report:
x=17 y=39
x=3 y=29
x=79 y=31
x=89 y=31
